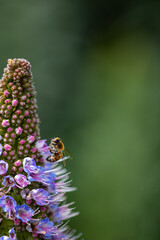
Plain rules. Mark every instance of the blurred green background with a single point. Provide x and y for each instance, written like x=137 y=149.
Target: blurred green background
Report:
x=96 y=71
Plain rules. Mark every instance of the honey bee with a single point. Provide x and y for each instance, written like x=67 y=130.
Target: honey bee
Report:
x=58 y=151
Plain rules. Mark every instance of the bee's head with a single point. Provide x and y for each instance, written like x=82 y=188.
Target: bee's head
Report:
x=56 y=140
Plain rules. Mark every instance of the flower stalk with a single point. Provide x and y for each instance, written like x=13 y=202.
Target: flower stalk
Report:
x=32 y=190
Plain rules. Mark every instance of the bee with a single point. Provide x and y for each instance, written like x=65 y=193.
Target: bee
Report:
x=58 y=151
x=57 y=144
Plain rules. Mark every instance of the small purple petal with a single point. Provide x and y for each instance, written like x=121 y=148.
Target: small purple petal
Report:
x=41 y=144
x=21 y=180
x=24 y=213
x=12 y=234
x=40 y=196
x=45 y=227
x=31 y=138
x=8 y=181
x=4 y=238
x=8 y=204
x=29 y=165
x=42 y=147
x=3 y=167
x=1 y=147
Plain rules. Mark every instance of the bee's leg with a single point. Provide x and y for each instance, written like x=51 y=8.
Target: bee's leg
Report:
x=64 y=163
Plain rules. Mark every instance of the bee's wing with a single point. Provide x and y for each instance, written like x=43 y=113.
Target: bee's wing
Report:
x=67 y=153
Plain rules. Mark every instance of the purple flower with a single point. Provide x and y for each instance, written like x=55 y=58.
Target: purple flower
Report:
x=5 y=123
x=8 y=204
x=31 y=138
x=24 y=213
x=41 y=176
x=42 y=147
x=29 y=165
x=12 y=234
x=21 y=180
x=8 y=181
x=41 y=196
x=19 y=130
x=24 y=161
x=4 y=238
x=46 y=227
x=37 y=173
x=3 y=167
x=63 y=212
x=41 y=144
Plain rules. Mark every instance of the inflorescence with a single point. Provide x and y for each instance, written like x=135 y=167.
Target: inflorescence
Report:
x=32 y=190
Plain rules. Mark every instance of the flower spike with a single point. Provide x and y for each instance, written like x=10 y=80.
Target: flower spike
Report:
x=33 y=182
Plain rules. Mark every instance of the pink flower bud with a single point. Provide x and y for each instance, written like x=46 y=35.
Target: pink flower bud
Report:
x=14 y=102
x=41 y=160
x=22 y=103
x=28 y=202
x=18 y=121
x=34 y=120
x=21 y=147
x=28 y=120
x=26 y=126
x=7 y=147
x=16 y=221
x=35 y=234
x=18 y=111
x=24 y=97
x=6 y=93
x=17 y=163
x=33 y=150
x=31 y=139
x=12 y=153
x=21 y=169
x=14 y=116
x=13 y=135
x=26 y=113
x=19 y=130
x=4 y=153
x=22 y=141
x=43 y=209
x=5 y=123
x=9 y=107
x=14 y=169
x=7 y=101
x=26 y=151
x=9 y=129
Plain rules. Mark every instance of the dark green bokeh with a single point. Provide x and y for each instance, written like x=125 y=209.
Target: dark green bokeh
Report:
x=96 y=72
